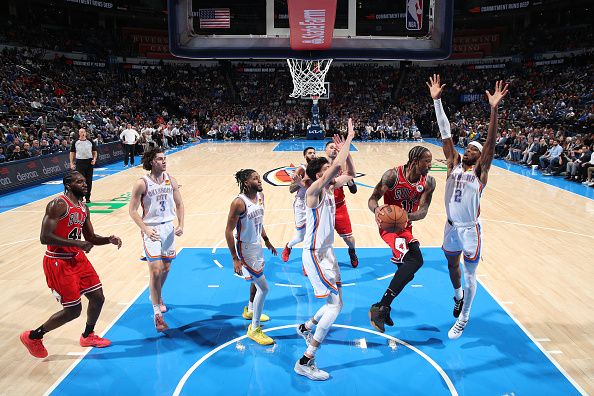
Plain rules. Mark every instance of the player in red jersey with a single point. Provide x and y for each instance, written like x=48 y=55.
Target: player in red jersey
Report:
x=68 y=272
x=342 y=224
x=410 y=187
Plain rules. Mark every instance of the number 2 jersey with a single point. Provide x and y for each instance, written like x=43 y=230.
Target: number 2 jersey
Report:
x=69 y=226
x=462 y=196
x=157 y=202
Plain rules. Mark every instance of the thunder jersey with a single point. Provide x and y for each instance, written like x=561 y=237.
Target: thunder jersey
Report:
x=300 y=195
x=405 y=194
x=158 y=205
x=250 y=223
x=463 y=195
x=319 y=223
x=69 y=226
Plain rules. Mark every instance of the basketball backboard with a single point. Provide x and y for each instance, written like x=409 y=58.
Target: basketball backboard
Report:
x=259 y=29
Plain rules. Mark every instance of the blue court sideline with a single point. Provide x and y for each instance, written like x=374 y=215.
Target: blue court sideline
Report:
x=205 y=353
x=300 y=145
x=24 y=196
x=555 y=181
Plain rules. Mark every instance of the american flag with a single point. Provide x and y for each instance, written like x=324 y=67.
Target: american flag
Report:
x=215 y=18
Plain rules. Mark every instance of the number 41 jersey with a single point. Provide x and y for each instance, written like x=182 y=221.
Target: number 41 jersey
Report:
x=69 y=226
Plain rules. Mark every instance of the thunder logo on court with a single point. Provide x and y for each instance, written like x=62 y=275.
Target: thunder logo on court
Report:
x=281 y=176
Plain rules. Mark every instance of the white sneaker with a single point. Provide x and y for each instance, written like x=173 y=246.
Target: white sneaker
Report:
x=457 y=329
x=307 y=335
x=310 y=371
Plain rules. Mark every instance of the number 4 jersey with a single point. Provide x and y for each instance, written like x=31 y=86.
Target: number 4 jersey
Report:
x=157 y=202
x=69 y=226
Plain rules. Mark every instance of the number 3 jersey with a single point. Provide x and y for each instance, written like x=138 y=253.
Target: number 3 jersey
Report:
x=157 y=202
x=69 y=226
x=462 y=195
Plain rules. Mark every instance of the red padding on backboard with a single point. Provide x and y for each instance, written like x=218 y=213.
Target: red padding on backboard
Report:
x=312 y=24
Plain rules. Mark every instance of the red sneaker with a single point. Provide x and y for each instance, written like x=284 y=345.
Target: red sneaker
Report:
x=160 y=323
x=35 y=347
x=286 y=253
x=93 y=340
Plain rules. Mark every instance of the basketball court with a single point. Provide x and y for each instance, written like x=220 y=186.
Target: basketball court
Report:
x=530 y=331
x=527 y=335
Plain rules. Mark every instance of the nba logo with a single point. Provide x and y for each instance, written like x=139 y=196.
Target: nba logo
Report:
x=414 y=14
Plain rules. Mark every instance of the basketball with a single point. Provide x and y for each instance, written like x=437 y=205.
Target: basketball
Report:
x=393 y=218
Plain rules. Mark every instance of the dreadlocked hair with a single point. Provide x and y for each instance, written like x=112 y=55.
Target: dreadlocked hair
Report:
x=149 y=156
x=416 y=153
x=241 y=177
x=67 y=179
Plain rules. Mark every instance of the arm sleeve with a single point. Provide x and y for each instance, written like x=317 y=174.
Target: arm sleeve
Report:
x=442 y=120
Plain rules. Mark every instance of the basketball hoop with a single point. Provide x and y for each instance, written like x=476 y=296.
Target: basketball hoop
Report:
x=308 y=76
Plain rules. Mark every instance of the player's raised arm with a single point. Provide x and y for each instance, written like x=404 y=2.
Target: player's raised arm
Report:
x=489 y=146
x=436 y=89
x=335 y=168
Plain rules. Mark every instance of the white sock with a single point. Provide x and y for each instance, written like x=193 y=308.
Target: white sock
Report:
x=156 y=309
x=458 y=293
x=297 y=238
x=250 y=306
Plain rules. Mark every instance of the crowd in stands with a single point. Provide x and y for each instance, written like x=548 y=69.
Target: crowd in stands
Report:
x=42 y=104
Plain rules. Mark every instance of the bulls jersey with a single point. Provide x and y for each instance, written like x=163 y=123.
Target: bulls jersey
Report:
x=157 y=201
x=339 y=197
x=300 y=195
x=250 y=223
x=405 y=194
x=319 y=224
x=462 y=195
x=69 y=226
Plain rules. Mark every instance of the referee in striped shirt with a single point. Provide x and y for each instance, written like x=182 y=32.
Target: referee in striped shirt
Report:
x=85 y=153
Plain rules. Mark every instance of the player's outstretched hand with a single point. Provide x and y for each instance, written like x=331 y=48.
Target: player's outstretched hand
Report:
x=114 y=240
x=351 y=129
x=435 y=87
x=500 y=92
x=377 y=212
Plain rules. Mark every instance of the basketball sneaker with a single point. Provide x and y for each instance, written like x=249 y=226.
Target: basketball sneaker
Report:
x=354 y=259
x=377 y=317
x=305 y=333
x=457 y=329
x=35 y=347
x=94 y=340
x=458 y=304
x=160 y=324
x=258 y=335
x=286 y=253
x=310 y=371
x=248 y=315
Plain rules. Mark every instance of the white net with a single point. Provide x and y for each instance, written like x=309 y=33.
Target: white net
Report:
x=308 y=76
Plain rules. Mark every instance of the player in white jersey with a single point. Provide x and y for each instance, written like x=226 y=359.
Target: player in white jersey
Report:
x=246 y=218
x=298 y=186
x=467 y=176
x=318 y=252
x=159 y=195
